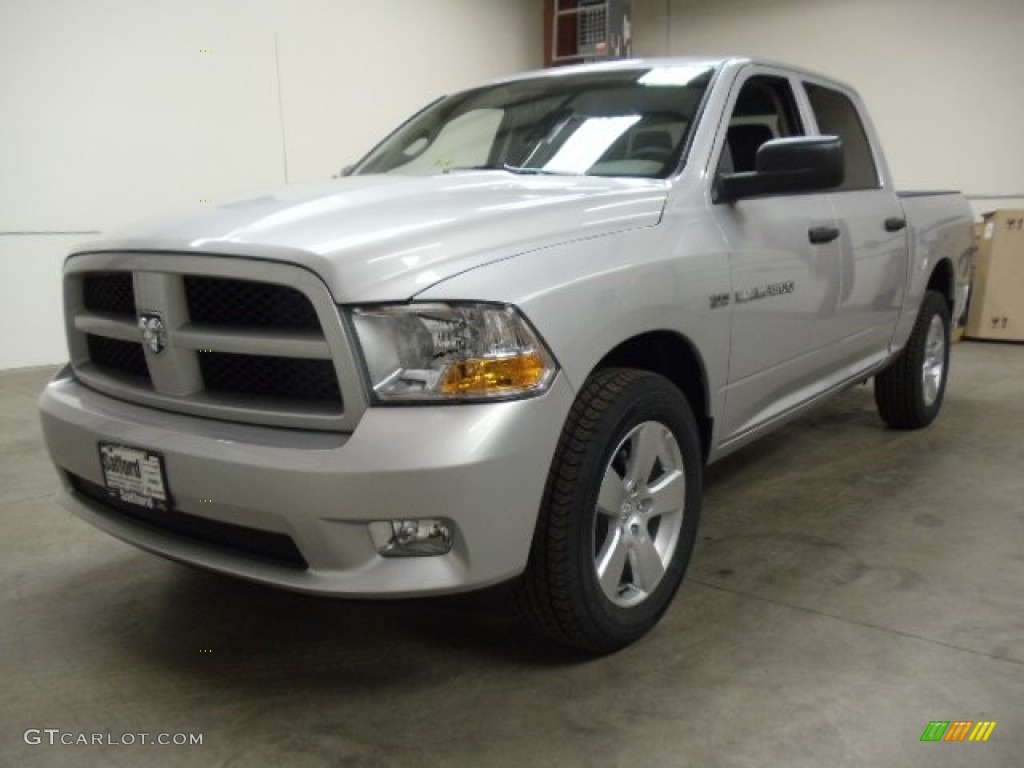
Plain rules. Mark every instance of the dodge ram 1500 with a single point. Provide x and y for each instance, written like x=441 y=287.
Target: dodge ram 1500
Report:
x=505 y=344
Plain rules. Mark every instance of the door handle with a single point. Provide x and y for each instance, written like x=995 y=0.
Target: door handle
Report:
x=819 y=235
x=895 y=224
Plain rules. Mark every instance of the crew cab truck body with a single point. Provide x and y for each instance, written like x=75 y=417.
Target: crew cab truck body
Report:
x=507 y=342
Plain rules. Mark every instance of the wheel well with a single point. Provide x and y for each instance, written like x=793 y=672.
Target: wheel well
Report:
x=673 y=357
x=944 y=281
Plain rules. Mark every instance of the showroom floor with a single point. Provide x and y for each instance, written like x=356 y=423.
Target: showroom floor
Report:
x=851 y=585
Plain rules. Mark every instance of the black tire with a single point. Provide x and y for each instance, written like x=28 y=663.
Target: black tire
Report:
x=909 y=392
x=619 y=418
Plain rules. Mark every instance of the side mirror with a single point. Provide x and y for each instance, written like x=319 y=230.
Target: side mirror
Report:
x=787 y=166
x=343 y=172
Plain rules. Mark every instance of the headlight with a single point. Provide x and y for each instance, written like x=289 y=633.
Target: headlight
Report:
x=451 y=352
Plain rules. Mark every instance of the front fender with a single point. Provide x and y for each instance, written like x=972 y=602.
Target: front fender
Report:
x=589 y=296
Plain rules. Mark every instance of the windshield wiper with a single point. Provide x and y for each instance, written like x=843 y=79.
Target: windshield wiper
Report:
x=517 y=169
x=530 y=170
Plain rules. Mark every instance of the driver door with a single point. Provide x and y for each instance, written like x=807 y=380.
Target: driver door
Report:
x=785 y=266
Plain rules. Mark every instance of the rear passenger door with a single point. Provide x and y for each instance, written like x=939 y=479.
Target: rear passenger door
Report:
x=873 y=243
x=785 y=287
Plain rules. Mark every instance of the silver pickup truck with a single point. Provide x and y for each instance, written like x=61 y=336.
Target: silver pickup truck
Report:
x=505 y=344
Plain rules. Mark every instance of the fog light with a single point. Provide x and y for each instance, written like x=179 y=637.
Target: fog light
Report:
x=411 y=538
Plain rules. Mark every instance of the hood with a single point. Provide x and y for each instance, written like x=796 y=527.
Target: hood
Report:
x=387 y=238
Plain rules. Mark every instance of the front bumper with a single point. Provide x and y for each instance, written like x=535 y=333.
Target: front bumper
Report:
x=482 y=467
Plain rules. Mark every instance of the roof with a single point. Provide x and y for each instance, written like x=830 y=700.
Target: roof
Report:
x=618 y=65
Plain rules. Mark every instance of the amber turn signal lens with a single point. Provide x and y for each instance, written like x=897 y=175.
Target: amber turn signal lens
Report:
x=494 y=376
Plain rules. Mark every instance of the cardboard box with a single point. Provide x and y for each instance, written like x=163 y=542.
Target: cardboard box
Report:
x=997 y=294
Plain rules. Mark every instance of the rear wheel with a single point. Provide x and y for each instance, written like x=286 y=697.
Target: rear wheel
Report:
x=619 y=516
x=910 y=391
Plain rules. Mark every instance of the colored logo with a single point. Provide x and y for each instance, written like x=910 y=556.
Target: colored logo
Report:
x=958 y=730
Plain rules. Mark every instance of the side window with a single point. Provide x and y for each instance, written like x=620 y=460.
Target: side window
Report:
x=765 y=109
x=837 y=116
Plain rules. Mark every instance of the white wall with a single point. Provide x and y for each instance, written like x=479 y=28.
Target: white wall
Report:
x=111 y=110
x=941 y=78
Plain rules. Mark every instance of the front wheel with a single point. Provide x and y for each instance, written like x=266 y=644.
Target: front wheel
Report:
x=619 y=515
x=909 y=392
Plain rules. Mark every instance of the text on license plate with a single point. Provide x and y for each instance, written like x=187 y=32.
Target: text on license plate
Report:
x=134 y=475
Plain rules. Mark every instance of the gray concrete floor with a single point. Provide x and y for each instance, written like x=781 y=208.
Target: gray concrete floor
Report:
x=851 y=584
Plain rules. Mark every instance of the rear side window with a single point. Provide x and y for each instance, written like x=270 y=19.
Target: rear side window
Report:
x=837 y=116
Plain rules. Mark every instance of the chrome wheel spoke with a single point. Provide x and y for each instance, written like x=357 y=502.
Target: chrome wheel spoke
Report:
x=645 y=562
x=930 y=385
x=612 y=493
x=611 y=562
x=668 y=494
x=645 y=446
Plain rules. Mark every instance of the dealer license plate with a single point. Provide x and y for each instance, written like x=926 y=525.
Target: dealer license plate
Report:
x=134 y=476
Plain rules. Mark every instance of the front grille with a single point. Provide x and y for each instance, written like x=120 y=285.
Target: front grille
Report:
x=109 y=292
x=231 y=348
x=263 y=545
x=247 y=304
x=116 y=356
x=284 y=377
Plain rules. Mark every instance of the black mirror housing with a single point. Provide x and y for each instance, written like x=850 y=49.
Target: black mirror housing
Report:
x=788 y=166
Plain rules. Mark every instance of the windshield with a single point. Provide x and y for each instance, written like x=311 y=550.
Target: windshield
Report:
x=608 y=123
